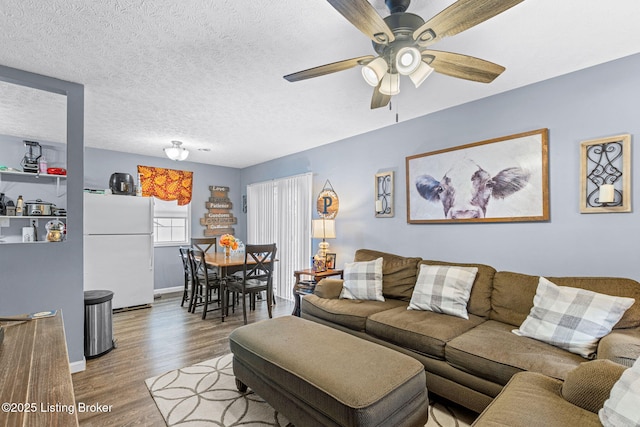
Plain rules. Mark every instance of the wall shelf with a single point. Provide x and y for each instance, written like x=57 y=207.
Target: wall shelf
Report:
x=32 y=217
x=57 y=178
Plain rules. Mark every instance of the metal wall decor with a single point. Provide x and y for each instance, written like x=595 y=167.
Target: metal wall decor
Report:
x=327 y=203
x=384 y=195
x=605 y=174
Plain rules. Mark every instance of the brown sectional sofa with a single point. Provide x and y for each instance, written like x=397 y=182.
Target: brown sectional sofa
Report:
x=470 y=361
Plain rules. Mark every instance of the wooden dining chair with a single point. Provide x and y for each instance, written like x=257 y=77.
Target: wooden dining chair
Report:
x=206 y=244
x=256 y=277
x=186 y=267
x=203 y=286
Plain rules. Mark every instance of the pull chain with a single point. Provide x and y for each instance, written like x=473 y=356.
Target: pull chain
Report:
x=391 y=109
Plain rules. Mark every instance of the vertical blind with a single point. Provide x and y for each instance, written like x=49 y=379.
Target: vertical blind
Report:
x=280 y=211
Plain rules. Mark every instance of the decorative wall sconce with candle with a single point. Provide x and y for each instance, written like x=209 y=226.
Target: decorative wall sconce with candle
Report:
x=384 y=194
x=605 y=174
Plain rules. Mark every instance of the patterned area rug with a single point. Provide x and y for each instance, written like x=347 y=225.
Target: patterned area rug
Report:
x=205 y=394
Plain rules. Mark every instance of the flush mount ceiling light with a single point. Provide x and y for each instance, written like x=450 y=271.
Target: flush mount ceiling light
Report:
x=401 y=41
x=176 y=152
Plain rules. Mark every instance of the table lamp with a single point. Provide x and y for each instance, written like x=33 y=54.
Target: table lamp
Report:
x=323 y=229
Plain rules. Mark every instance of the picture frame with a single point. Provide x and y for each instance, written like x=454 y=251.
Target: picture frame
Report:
x=330 y=261
x=605 y=161
x=504 y=179
x=383 y=195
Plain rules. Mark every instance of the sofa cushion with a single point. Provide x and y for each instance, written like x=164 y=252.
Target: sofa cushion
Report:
x=621 y=346
x=349 y=313
x=572 y=318
x=621 y=408
x=589 y=385
x=398 y=272
x=513 y=293
x=480 y=298
x=425 y=332
x=533 y=400
x=363 y=280
x=329 y=288
x=443 y=289
x=492 y=352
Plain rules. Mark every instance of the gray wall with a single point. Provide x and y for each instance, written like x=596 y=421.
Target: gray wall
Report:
x=597 y=102
x=37 y=277
x=100 y=164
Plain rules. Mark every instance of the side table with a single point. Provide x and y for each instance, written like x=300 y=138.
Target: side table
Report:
x=301 y=288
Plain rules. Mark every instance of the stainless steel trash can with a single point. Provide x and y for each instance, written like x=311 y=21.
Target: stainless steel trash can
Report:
x=98 y=323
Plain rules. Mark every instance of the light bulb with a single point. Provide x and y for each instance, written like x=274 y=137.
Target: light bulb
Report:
x=408 y=60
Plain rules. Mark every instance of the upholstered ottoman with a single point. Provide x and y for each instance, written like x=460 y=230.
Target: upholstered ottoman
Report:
x=318 y=376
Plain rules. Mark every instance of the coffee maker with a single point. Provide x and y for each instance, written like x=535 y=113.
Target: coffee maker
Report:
x=30 y=160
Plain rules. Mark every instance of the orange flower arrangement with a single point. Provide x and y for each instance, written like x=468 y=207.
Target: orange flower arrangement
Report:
x=228 y=241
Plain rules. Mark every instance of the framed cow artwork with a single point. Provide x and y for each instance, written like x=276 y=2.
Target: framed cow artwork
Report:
x=499 y=180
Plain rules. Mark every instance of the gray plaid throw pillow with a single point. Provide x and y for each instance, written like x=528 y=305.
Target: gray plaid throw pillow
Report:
x=363 y=280
x=443 y=289
x=572 y=318
x=621 y=408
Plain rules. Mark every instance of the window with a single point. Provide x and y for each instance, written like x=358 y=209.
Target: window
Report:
x=171 y=223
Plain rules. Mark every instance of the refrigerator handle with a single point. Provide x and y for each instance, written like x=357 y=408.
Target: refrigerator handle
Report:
x=151 y=212
x=151 y=218
x=151 y=251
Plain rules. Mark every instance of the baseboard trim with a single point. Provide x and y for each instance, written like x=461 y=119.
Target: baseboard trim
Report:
x=172 y=290
x=78 y=366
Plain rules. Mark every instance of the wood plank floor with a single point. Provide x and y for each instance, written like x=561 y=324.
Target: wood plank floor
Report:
x=150 y=342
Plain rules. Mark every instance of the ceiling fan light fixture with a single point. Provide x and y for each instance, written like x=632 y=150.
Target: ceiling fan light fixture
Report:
x=374 y=71
x=390 y=84
x=421 y=73
x=408 y=60
x=176 y=152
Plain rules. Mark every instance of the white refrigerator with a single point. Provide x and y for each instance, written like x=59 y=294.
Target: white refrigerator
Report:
x=118 y=247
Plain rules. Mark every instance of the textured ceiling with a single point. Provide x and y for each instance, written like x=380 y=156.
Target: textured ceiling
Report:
x=209 y=73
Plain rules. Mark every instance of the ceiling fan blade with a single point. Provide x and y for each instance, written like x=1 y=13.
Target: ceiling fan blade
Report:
x=379 y=99
x=329 y=68
x=462 y=66
x=460 y=16
x=365 y=18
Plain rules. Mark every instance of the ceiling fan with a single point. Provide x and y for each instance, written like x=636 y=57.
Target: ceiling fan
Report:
x=401 y=41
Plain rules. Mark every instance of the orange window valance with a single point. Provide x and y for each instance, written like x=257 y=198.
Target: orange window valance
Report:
x=166 y=184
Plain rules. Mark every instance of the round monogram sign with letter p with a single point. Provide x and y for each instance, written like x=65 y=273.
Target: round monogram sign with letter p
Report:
x=327 y=203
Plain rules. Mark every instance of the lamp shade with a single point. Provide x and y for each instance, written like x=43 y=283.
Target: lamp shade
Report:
x=176 y=152
x=420 y=74
x=390 y=84
x=374 y=71
x=323 y=229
